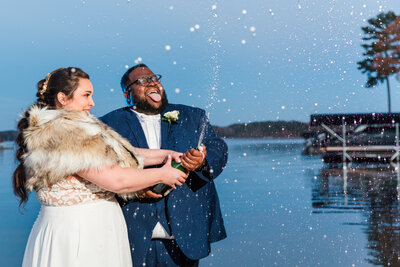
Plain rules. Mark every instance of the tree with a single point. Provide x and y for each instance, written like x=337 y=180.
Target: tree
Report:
x=382 y=55
x=394 y=30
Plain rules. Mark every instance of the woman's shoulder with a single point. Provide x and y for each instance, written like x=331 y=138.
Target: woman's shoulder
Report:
x=40 y=116
x=54 y=126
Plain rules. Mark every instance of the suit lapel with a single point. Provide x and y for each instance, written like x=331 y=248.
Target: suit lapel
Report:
x=164 y=132
x=136 y=129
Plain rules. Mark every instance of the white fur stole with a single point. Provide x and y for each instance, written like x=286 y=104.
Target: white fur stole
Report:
x=61 y=143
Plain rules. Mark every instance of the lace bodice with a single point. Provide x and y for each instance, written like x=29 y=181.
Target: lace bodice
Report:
x=72 y=191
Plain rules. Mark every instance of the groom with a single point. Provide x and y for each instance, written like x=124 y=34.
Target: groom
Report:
x=175 y=230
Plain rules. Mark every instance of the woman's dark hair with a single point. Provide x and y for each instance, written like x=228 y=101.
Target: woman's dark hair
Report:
x=65 y=80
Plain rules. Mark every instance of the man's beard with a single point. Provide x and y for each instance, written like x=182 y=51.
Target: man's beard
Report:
x=145 y=106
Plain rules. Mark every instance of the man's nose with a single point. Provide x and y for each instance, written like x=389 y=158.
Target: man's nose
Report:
x=151 y=82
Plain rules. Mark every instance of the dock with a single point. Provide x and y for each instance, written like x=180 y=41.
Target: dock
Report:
x=377 y=141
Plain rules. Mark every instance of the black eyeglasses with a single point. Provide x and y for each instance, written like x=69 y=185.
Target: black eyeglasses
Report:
x=146 y=80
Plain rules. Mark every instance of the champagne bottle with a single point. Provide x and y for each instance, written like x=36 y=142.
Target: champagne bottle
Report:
x=178 y=166
x=163 y=188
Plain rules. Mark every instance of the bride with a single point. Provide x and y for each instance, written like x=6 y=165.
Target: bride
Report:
x=76 y=164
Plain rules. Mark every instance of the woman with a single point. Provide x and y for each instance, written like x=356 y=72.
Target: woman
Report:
x=76 y=164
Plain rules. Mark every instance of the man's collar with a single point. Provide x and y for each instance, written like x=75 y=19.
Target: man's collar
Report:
x=143 y=116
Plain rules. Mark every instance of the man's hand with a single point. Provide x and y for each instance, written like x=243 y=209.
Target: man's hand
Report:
x=193 y=159
x=149 y=194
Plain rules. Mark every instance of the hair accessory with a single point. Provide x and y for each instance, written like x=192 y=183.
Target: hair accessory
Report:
x=46 y=82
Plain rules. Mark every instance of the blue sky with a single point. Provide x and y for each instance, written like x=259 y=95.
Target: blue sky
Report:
x=242 y=61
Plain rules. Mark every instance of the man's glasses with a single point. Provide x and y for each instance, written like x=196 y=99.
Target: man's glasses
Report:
x=146 y=80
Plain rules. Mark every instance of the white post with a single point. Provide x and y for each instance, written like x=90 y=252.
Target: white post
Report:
x=344 y=161
x=397 y=158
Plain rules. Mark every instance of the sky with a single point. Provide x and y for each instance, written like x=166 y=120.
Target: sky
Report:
x=241 y=61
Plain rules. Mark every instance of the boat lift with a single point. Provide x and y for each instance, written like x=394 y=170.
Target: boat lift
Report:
x=328 y=120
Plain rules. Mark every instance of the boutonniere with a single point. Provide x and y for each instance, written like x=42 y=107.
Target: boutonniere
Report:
x=171 y=117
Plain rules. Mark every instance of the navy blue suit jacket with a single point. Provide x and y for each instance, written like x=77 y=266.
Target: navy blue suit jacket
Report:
x=192 y=211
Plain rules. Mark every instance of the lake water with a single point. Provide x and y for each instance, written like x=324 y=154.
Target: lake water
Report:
x=280 y=209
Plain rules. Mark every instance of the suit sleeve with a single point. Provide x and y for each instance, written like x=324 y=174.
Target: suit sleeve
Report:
x=217 y=151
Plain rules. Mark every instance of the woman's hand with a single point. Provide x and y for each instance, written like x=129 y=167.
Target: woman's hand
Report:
x=177 y=156
x=172 y=177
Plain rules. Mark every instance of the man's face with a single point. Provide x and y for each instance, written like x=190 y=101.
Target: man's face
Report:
x=148 y=98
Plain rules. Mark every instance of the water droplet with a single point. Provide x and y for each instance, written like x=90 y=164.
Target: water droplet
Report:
x=168 y=47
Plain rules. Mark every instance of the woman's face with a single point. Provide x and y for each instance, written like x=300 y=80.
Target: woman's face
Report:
x=82 y=98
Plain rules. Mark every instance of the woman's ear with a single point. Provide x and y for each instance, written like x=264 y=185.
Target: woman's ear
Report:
x=61 y=98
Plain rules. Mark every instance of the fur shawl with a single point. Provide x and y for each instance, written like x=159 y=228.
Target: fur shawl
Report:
x=61 y=143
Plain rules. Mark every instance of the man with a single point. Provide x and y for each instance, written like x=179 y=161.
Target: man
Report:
x=175 y=230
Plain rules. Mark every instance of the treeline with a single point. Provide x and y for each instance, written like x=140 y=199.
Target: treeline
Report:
x=8 y=136
x=275 y=129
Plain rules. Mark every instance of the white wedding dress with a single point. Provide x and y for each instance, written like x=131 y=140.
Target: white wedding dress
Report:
x=79 y=224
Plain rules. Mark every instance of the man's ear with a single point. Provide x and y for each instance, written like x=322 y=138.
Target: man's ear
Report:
x=127 y=95
x=62 y=98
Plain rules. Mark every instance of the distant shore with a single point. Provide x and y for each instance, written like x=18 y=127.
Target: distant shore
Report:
x=264 y=129
x=8 y=136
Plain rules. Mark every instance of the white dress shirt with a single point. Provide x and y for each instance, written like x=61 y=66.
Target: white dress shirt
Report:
x=151 y=125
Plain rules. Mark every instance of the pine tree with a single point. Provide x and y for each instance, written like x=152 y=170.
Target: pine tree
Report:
x=382 y=55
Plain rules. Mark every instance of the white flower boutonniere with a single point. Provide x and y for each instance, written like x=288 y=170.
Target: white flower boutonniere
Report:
x=171 y=116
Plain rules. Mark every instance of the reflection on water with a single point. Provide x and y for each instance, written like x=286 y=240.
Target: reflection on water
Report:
x=372 y=192
x=14 y=225
x=279 y=208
